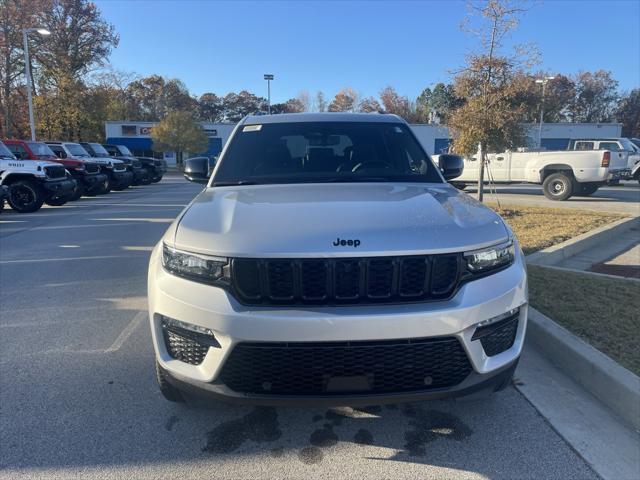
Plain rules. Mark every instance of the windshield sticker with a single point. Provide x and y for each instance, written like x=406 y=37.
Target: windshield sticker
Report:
x=252 y=128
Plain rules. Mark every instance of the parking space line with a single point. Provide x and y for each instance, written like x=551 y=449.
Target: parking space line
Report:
x=126 y=333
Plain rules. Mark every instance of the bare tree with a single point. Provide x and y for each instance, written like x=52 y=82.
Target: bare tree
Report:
x=492 y=113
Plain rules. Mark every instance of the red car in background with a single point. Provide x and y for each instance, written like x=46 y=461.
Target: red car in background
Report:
x=86 y=174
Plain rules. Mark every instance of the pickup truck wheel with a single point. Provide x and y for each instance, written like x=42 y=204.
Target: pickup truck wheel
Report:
x=156 y=179
x=168 y=391
x=26 y=196
x=557 y=186
x=586 y=189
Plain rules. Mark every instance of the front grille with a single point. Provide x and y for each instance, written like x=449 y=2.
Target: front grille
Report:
x=335 y=368
x=346 y=280
x=498 y=337
x=136 y=163
x=91 y=167
x=57 y=171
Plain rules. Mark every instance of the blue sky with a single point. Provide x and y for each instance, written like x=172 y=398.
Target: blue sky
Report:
x=228 y=46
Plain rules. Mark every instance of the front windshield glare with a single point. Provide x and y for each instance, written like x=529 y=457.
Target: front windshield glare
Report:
x=99 y=150
x=41 y=149
x=125 y=151
x=77 y=150
x=320 y=152
x=5 y=152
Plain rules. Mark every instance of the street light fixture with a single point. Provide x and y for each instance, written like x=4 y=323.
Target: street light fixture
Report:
x=268 y=77
x=543 y=82
x=27 y=71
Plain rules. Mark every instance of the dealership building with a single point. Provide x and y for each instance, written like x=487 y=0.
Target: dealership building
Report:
x=434 y=138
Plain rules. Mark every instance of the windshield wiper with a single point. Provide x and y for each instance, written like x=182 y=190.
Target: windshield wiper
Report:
x=354 y=179
x=233 y=184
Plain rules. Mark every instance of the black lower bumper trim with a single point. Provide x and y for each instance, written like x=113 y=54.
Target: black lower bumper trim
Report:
x=474 y=383
x=59 y=187
x=93 y=182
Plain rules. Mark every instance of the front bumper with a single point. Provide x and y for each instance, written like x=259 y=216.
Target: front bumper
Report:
x=59 y=188
x=121 y=178
x=92 y=183
x=140 y=175
x=233 y=324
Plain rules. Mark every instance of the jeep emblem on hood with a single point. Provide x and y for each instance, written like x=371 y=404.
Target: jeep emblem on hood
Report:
x=346 y=243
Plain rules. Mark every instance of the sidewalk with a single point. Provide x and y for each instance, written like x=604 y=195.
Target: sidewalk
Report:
x=620 y=256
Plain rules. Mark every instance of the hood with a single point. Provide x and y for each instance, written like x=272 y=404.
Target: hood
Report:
x=28 y=165
x=307 y=220
x=104 y=160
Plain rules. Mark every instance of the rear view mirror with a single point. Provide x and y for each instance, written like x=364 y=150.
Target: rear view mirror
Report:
x=451 y=165
x=197 y=169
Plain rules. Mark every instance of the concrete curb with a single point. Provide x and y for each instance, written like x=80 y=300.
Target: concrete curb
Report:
x=576 y=245
x=612 y=384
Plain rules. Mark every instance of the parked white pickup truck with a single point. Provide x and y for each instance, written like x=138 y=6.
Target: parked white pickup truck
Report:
x=561 y=173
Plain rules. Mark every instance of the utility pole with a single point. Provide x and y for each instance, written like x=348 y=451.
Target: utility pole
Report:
x=544 y=82
x=27 y=71
x=268 y=77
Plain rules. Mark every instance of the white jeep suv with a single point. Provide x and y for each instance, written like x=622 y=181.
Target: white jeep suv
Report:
x=328 y=261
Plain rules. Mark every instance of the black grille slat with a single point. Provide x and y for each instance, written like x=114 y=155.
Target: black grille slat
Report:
x=444 y=274
x=314 y=280
x=92 y=167
x=307 y=368
x=280 y=279
x=345 y=281
x=55 y=171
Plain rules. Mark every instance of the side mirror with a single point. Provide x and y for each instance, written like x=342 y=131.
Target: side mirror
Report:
x=197 y=170
x=451 y=165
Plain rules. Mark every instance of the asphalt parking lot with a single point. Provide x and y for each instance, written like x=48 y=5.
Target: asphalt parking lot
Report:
x=78 y=396
x=623 y=198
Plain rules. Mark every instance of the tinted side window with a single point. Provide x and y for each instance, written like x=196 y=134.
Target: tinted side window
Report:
x=58 y=150
x=613 y=146
x=19 y=151
x=584 y=146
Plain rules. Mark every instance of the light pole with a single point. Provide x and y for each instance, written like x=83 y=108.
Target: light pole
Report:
x=544 y=82
x=27 y=71
x=268 y=77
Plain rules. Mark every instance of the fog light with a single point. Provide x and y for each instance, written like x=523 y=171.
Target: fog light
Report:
x=498 y=334
x=502 y=316
x=186 y=342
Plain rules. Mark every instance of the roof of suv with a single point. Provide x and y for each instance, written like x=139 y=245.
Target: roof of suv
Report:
x=322 y=117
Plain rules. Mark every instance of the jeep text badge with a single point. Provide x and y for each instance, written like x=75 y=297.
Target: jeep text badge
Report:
x=346 y=243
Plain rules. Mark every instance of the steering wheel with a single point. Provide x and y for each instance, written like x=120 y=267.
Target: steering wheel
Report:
x=370 y=165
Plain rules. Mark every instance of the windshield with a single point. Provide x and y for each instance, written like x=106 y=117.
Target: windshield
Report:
x=41 y=150
x=319 y=152
x=5 y=152
x=99 y=150
x=627 y=145
x=76 y=150
x=125 y=151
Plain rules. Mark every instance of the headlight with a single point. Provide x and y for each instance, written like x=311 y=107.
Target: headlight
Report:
x=194 y=266
x=492 y=258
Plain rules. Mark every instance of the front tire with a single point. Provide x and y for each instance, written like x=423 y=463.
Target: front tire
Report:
x=56 y=201
x=156 y=179
x=557 y=186
x=26 y=196
x=168 y=391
